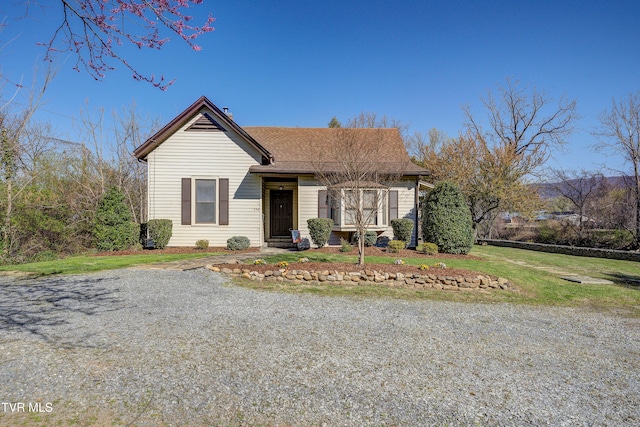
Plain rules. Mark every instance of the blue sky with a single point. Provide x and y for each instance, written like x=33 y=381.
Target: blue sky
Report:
x=298 y=63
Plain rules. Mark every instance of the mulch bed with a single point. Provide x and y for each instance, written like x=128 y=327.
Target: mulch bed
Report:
x=177 y=250
x=429 y=260
x=321 y=266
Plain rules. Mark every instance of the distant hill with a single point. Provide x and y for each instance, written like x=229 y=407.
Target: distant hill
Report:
x=549 y=190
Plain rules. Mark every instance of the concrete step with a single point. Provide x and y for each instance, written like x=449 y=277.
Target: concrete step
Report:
x=278 y=242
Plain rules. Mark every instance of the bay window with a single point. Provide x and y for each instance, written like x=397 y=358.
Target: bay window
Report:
x=344 y=206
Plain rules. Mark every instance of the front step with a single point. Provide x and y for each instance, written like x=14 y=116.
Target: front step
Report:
x=280 y=242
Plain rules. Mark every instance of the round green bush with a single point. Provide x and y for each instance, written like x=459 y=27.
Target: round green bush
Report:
x=370 y=238
x=446 y=219
x=395 y=246
x=429 y=248
x=238 y=243
x=202 y=244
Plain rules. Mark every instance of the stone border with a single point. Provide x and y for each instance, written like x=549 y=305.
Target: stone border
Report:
x=566 y=250
x=369 y=277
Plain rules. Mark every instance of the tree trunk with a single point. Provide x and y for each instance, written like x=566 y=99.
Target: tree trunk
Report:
x=6 y=234
x=361 y=235
x=637 y=191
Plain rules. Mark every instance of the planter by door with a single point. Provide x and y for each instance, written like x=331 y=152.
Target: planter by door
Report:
x=281 y=212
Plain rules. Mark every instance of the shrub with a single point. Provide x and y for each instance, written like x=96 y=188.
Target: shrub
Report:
x=344 y=245
x=395 y=246
x=370 y=238
x=447 y=219
x=320 y=230
x=158 y=230
x=402 y=230
x=382 y=241
x=202 y=244
x=113 y=229
x=303 y=244
x=429 y=248
x=238 y=243
x=548 y=233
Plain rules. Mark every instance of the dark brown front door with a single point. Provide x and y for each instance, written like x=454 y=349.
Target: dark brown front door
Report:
x=281 y=212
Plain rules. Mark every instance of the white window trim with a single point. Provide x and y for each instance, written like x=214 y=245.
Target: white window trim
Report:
x=381 y=214
x=194 y=201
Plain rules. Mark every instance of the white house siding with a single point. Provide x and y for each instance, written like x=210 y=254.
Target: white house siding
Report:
x=406 y=203
x=308 y=204
x=214 y=154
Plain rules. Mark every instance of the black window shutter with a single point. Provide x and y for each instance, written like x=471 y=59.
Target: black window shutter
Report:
x=186 y=201
x=224 y=201
x=393 y=204
x=323 y=204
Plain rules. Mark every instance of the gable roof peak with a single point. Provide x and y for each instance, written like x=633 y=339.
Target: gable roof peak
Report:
x=181 y=119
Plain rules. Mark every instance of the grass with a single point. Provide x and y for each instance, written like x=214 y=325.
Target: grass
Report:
x=535 y=274
x=88 y=264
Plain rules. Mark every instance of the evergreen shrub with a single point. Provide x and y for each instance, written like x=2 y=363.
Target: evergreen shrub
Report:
x=446 y=219
x=395 y=246
x=429 y=248
x=202 y=244
x=160 y=231
x=370 y=238
x=320 y=230
x=402 y=230
x=113 y=229
x=238 y=243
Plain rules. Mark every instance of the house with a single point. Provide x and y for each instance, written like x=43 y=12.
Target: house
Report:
x=215 y=179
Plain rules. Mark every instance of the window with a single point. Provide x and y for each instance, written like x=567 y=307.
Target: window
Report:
x=370 y=206
x=205 y=201
x=372 y=203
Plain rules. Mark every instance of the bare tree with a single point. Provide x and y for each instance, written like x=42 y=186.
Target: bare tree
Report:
x=493 y=162
x=525 y=123
x=354 y=170
x=14 y=146
x=105 y=159
x=581 y=188
x=619 y=133
x=131 y=132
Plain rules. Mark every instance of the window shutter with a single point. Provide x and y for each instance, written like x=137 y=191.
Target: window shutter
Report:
x=186 y=201
x=393 y=204
x=323 y=204
x=224 y=201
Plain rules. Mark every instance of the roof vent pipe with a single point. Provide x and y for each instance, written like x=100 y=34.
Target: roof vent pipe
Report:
x=226 y=111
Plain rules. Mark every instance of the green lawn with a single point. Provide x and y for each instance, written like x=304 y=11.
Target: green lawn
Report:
x=87 y=264
x=535 y=274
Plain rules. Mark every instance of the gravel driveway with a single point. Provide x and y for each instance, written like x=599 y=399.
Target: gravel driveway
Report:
x=183 y=348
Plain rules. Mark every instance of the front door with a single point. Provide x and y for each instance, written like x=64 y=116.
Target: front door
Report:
x=281 y=212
